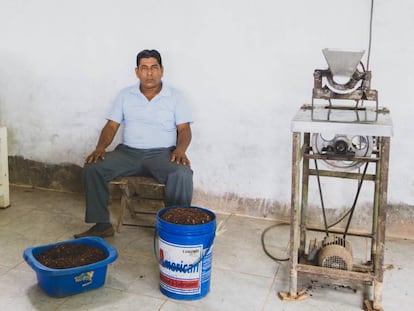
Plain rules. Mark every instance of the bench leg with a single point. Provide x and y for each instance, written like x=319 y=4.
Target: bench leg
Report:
x=134 y=185
x=124 y=203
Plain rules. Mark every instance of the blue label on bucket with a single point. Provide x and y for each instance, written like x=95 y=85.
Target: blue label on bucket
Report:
x=181 y=268
x=85 y=277
x=206 y=269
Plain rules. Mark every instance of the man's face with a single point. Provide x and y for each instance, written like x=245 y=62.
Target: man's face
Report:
x=149 y=72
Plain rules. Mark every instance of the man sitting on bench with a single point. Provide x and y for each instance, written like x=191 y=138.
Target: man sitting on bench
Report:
x=156 y=136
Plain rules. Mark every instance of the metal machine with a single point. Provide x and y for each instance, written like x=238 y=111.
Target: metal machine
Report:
x=346 y=131
x=343 y=80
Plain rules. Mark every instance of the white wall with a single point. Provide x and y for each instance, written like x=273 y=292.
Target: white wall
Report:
x=246 y=67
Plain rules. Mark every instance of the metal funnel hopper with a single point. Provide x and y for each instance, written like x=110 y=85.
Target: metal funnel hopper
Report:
x=342 y=64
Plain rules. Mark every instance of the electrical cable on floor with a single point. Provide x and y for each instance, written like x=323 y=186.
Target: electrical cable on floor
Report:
x=279 y=260
x=350 y=211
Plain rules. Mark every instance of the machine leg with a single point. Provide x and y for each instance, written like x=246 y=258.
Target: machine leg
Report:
x=293 y=293
x=377 y=295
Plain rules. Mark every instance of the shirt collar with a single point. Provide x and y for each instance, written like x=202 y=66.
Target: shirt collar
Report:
x=165 y=90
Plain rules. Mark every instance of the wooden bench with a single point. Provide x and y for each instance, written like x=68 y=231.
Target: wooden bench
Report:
x=147 y=193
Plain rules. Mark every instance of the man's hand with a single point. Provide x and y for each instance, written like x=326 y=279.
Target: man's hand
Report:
x=179 y=157
x=183 y=140
x=97 y=154
x=107 y=135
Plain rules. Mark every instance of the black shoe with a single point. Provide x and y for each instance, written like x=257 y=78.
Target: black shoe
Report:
x=93 y=231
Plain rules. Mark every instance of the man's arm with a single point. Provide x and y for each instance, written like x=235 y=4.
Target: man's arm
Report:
x=183 y=141
x=107 y=135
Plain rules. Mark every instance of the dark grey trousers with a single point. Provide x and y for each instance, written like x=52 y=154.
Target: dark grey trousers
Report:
x=126 y=161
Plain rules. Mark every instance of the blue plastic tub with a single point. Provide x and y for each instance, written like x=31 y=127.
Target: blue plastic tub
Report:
x=185 y=257
x=65 y=282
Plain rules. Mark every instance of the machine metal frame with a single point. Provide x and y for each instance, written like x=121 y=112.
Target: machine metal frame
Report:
x=303 y=125
x=4 y=170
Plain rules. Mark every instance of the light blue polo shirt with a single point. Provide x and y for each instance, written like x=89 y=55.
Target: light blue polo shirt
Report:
x=150 y=124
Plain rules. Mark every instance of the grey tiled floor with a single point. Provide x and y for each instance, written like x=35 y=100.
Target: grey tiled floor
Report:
x=243 y=276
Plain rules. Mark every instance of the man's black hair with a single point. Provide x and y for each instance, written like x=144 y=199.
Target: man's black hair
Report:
x=148 y=54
